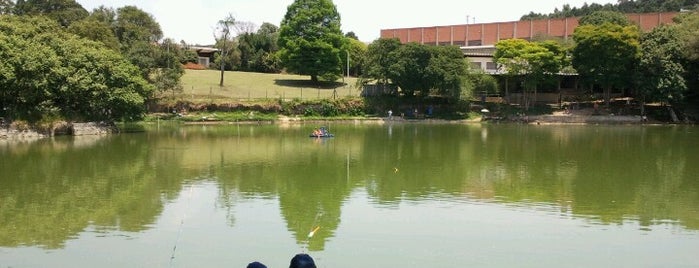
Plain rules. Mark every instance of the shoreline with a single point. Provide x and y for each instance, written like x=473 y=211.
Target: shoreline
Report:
x=94 y=128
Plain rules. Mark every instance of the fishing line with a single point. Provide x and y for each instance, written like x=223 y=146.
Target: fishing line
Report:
x=313 y=231
x=179 y=233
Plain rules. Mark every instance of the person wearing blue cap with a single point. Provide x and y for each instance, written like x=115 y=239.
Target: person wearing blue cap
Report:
x=302 y=260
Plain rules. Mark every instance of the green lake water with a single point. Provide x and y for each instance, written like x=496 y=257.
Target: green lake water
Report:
x=390 y=195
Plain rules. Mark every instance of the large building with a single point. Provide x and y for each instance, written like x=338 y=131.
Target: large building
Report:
x=490 y=33
x=477 y=40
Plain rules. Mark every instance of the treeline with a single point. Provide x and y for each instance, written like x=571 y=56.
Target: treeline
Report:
x=623 y=6
x=609 y=52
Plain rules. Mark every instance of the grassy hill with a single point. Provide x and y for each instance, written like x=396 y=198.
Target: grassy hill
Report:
x=202 y=85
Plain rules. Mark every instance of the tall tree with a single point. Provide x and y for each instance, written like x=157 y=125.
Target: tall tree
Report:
x=257 y=50
x=688 y=24
x=357 y=51
x=606 y=55
x=311 y=40
x=409 y=71
x=661 y=71
x=133 y=25
x=96 y=30
x=224 y=35
x=535 y=62
x=447 y=68
x=380 y=55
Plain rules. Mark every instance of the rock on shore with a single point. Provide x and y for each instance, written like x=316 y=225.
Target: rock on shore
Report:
x=74 y=129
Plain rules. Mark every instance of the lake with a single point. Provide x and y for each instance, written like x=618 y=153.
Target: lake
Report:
x=376 y=195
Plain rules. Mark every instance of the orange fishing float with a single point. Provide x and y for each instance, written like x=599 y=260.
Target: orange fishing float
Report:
x=313 y=232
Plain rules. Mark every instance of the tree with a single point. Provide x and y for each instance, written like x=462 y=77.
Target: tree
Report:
x=447 y=68
x=601 y=17
x=257 y=50
x=133 y=25
x=223 y=36
x=47 y=72
x=352 y=35
x=688 y=28
x=95 y=30
x=6 y=7
x=310 y=39
x=170 y=70
x=606 y=55
x=419 y=68
x=357 y=51
x=65 y=12
x=380 y=55
x=661 y=71
x=409 y=71
x=535 y=62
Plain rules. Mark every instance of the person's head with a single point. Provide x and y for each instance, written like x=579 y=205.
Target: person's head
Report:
x=256 y=265
x=302 y=260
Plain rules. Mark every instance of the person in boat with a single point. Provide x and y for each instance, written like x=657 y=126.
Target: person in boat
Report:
x=317 y=132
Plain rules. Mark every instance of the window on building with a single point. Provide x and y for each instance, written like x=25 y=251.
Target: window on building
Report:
x=475 y=43
x=491 y=66
x=204 y=61
x=459 y=43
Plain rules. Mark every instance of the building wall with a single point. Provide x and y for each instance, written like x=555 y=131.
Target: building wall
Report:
x=491 y=33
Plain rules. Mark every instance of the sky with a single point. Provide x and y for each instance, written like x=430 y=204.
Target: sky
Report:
x=194 y=20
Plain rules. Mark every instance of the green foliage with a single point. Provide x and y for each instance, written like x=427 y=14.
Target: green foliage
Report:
x=228 y=57
x=416 y=68
x=65 y=12
x=95 y=30
x=688 y=31
x=135 y=26
x=538 y=62
x=258 y=50
x=48 y=72
x=357 y=56
x=482 y=83
x=661 y=70
x=6 y=7
x=447 y=69
x=606 y=54
x=410 y=70
x=623 y=6
x=310 y=39
x=603 y=16
x=380 y=55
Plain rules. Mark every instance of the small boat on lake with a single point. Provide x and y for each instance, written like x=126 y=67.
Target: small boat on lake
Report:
x=321 y=132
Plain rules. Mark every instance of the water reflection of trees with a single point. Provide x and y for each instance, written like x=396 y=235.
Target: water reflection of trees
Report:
x=606 y=173
x=52 y=190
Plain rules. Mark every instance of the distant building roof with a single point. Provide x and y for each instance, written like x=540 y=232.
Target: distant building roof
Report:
x=204 y=49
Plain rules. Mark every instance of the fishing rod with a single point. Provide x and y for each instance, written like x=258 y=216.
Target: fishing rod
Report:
x=179 y=232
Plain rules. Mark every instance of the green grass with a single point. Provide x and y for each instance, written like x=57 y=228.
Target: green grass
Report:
x=203 y=85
